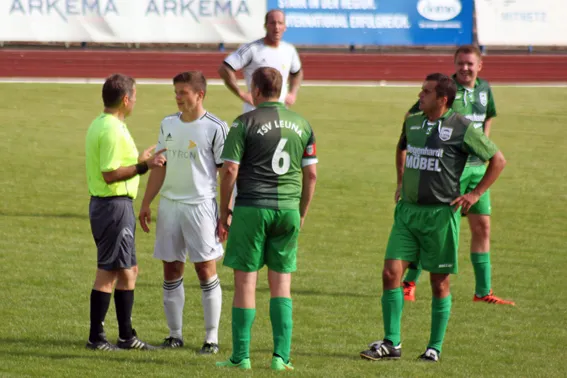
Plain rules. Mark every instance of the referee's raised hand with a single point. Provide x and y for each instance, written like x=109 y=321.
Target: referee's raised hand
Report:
x=146 y=154
x=157 y=159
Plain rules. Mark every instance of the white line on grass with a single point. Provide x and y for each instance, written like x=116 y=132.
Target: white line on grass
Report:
x=307 y=83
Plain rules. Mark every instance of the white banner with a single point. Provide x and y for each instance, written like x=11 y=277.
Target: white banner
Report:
x=521 y=22
x=136 y=21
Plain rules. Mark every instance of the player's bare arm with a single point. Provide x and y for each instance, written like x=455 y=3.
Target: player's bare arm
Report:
x=487 y=126
x=295 y=80
x=495 y=166
x=228 y=75
x=229 y=174
x=126 y=173
x=155 y=182
x=231 y=204
x=400 y=161
x=400 y=164
x=308 y=189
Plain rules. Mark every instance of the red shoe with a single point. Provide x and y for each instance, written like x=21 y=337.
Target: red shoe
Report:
x=492 y=299
x=409 y=291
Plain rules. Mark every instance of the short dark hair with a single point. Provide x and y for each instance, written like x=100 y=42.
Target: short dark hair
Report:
x=270 y=12
x=269 y=81
x=115 y=88
x=468 y=49
x=195 y=79
x=445 y=87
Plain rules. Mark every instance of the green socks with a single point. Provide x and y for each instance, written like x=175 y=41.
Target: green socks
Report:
x=392 y=306
x=482 y=272
x=282 y=325
x=412 y=275
x=440 y=312
x=242 y=319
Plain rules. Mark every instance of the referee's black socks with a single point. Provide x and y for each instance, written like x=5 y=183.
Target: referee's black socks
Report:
x=124 y=301
x=99 y=306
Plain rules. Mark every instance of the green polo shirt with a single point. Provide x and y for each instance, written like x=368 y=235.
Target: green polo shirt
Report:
x=110 y=146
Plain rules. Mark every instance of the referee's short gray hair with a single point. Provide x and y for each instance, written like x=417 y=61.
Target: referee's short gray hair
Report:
x=115 y=88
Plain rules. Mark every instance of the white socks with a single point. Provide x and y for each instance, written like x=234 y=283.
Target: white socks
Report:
x=212 y=303
x=173 y=301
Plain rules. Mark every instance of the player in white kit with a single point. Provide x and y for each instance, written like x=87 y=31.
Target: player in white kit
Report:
x=187 y=213
x=269 y=51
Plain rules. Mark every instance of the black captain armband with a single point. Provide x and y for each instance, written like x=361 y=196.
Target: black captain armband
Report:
x=141 y=168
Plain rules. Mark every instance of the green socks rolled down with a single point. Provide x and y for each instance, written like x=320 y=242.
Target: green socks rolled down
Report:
x=412 y=275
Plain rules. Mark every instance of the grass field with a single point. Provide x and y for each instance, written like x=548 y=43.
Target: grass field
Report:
x=48 y=259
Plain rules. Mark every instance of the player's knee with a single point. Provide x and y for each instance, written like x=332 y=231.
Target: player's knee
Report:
x=440 y=285
x=135 y=271
x=173 y=270
x=389 y=277
x=205 y=270
x=480 y=227
x=126 y=279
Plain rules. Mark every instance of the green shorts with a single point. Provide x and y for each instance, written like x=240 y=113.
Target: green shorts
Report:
x=469 y=180
x=262 y=236
x=426 y=236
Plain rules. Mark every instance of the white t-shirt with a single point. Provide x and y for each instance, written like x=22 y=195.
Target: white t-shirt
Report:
x=193 y=155
x=254 y=55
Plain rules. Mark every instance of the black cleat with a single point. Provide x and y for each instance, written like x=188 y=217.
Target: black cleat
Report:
x=209 y=348
x=430 y=355
x=101 y=345
x=382 y=350
x=172 y=342
x=134 y=343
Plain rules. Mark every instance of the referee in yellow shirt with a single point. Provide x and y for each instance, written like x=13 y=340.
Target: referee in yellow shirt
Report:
x=113 y=169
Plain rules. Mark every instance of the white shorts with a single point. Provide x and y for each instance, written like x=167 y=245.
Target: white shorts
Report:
x=183 y=229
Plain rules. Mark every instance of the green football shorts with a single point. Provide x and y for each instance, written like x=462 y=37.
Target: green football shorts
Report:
x=426 y=235
x=469 y=180
x=262 y=236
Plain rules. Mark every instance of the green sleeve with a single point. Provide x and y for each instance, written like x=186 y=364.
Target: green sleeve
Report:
x=477 y=143
x=234 y=144
x=414 y=108
x=491 y=108
x=109 y=149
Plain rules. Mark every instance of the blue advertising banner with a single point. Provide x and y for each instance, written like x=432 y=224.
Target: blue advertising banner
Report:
x=377 y=22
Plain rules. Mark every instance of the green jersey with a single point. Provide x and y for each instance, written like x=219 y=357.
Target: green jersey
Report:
x=110 y=146
x=436 y=154
x=271 y=144
x=476 y=104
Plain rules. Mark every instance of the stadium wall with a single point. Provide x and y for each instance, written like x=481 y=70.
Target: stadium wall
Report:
x=18 y=63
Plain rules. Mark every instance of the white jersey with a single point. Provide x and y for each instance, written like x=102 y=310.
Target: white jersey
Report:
x=193 y=155
x=254 y=55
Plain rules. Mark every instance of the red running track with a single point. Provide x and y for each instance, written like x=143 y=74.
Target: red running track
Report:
x=317 y=66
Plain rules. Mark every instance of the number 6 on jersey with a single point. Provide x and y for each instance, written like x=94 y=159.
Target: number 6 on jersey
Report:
x=281 y=159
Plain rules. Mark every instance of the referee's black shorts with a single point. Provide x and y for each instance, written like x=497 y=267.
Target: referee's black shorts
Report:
x=113 y=225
